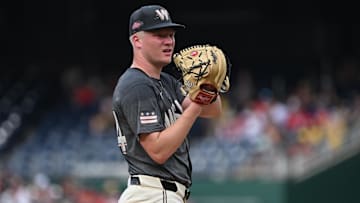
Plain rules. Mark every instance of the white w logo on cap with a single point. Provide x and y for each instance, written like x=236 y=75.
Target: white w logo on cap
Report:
x=162 y=13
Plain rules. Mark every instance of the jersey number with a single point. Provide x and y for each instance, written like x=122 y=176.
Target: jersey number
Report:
x=120 y=137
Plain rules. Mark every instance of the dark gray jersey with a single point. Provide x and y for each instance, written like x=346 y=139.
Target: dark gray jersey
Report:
x=142 y=104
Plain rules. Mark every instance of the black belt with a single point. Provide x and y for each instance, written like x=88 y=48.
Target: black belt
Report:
x=165 y=184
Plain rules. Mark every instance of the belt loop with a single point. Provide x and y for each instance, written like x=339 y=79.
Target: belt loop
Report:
x=135 y=180
x=187 y=193
x=169 y=185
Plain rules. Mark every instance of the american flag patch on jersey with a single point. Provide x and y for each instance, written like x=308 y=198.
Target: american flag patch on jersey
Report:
x=148 y=117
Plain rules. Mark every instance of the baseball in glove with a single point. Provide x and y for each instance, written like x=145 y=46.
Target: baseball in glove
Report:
x=205 y=72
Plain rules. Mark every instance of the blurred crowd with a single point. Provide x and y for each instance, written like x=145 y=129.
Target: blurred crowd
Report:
x=303 y=122
x=41 y=189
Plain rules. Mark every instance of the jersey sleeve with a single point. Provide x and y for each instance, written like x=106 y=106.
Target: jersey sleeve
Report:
x=142 y=110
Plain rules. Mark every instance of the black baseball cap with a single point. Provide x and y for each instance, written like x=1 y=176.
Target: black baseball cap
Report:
x=151 y=17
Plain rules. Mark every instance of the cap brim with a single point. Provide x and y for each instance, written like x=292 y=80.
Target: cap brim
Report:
x=165 y=25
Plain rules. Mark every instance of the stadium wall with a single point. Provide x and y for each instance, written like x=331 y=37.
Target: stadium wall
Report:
x=337 y=184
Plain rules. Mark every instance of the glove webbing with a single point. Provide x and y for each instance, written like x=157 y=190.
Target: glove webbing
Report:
x=203 y=70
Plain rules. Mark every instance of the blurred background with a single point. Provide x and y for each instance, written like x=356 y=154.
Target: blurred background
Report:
x=290 y=128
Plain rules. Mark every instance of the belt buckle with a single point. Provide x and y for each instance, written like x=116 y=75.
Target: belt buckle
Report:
x=187 y=194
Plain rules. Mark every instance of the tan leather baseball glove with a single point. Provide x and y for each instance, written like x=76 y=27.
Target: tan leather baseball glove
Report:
x=205 y=72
